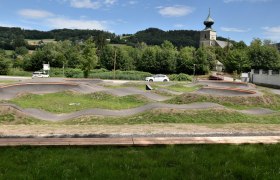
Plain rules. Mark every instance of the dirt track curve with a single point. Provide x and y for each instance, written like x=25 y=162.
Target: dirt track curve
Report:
x=43 y=115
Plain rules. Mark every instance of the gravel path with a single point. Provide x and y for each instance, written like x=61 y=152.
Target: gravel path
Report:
x=137 y=141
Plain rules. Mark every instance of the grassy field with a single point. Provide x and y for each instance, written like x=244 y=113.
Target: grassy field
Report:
x=175 y=86
x=155 y=116
x=268 y=100
x=3 y=82
x=36 y=42
x=64 y=102
x=158 y=162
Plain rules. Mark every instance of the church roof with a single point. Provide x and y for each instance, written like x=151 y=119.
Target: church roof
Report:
x=209 y=22
x=222 y=44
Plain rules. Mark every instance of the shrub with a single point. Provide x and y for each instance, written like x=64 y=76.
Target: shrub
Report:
x=122 y=75
x=19 y=72
x=73 y=73
x=4 y=67
x=180 y=77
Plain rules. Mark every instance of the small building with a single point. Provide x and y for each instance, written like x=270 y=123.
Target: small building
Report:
x=208 y=36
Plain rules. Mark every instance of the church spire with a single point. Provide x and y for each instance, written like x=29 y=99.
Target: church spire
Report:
x=209 y=21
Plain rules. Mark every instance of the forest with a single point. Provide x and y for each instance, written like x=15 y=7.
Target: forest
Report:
x=86 y=50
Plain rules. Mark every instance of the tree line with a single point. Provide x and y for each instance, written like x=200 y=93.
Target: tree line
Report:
x=12 y=38
x=164 y=58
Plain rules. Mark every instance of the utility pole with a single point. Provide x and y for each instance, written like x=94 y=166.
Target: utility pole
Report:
x=115 y=59
x=194 y=72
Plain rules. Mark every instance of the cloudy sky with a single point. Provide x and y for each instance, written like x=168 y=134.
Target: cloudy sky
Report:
x=236 y=19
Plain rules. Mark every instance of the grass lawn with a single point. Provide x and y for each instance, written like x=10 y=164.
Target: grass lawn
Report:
x=3 y=82
x=157 y=162
x=65 y=102
x=196 y=116
x=155 y=116
x=268 y=100
x=178 y=86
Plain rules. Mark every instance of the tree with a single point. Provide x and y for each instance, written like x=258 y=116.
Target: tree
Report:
x=167 y=57
x=149 y=61
x=89 y=58
x=201 y=62
x=263 y=56
x=237 y=60
x=4 y=65
x=185 y=60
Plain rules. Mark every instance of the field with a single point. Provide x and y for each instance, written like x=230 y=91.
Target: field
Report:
x=65 y=102
x=158 y=162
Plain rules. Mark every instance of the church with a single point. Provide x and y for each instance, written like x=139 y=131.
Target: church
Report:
x=208 y=36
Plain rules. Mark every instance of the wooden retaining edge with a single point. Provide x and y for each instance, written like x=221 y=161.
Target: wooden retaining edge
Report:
x=141 y=141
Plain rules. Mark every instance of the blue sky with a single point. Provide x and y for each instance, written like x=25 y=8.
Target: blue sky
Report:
x=236 y=19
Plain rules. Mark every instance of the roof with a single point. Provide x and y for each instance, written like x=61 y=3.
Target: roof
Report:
x=222 y=44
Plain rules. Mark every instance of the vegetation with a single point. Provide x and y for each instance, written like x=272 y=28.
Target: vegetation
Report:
x=213 y=116
x=65 y=102
x=268 y=100
x=158 y=162
x=154 y=51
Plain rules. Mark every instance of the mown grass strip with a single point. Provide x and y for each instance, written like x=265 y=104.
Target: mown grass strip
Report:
x=158 y=162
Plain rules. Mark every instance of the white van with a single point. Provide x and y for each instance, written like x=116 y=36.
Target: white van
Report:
x=38 y=74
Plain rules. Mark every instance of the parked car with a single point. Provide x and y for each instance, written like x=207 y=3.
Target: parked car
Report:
x=158 y=78
x=39 y=74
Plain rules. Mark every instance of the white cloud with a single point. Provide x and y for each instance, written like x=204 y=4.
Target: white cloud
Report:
x=132 y=2
x=34 y=13
x=272 y=33
x=60 y=23
x=54 y=21
x=91 y=4
x=175 y=11
x=85 y=4
x=231 y=29
x=252 y=1
x=179 y=25
x=110 y=2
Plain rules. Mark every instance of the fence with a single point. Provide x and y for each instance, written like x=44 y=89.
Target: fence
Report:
x=266 y=78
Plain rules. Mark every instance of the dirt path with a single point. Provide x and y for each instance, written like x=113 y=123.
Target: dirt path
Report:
x=141 y=130
x=137 y=141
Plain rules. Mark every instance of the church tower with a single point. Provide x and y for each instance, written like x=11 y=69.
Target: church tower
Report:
x=208 y=35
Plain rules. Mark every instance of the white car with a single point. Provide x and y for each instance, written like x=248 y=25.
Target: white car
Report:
x=158 y=78
x=38 y=74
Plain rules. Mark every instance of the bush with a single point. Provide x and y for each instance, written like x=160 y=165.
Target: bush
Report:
x=122 y=75
x=73 y=73
x=180 y=77
x=19 y=72
x=4 y=67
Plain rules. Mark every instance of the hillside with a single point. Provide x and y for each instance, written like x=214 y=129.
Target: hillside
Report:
x=10 y=38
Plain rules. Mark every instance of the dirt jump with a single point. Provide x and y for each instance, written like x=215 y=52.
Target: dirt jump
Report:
x=223 y=88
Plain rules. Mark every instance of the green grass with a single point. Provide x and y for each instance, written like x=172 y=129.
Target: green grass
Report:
x=155 y=116
x=7 y=82
x=157 y=162
x=12 y=119
x=179 y=87
x=268 y=100
x=19 y=72
x=9 y=52
x=214 y=116
x=60 y=102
